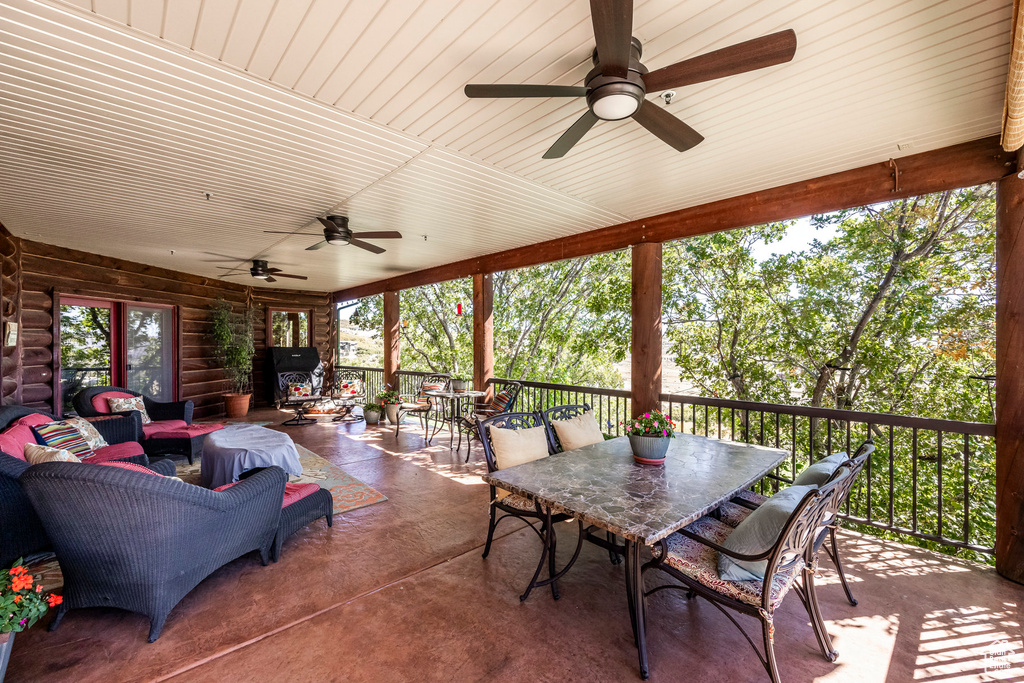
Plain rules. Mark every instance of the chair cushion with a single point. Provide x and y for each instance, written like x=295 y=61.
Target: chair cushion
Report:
x=63 y=436
x=296 y=492
x=131 y=466
x=88 y=432
x=758 y=533
x=161 y=431
x=124 y=405
x=117 y=451
x=517 y=446
x=500 y=402
x=732 y=514
x=423 y=397
x=578 y=432
x=820 y=472
x=700 y=562
x=350 y=387
x=158 y=426
x=517 y=502
x=300 y=390
x=101 y=402
x=19 y=433
x=37 y=453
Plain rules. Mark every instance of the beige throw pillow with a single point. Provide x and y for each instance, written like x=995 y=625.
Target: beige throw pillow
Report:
x=578 y=432
x=125 y=405
x=35 y=454
x=88 y=432
x=517 y=446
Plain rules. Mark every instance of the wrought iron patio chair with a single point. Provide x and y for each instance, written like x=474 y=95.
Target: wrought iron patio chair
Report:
x=748 y=501
x=300 y=404
x=421 y=404
x=691 y=558
x=567 y=412
x=347 y=389
x=518 y=507
x=503 y=402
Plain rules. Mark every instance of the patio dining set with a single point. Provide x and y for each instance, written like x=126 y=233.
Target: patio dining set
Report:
x=695 y=522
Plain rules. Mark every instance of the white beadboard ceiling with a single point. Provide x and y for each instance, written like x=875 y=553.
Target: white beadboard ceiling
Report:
x=116 y=116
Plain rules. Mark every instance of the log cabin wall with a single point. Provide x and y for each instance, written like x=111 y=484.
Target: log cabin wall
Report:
x=32 y=272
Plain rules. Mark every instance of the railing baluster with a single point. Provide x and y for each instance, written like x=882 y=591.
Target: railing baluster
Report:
x=938 y=469
x=913 y=454
x=890 y=475
x=967 y=489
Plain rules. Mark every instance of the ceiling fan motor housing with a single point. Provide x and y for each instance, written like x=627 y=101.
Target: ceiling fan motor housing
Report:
x=613 y=98
x=342 y=234
x=259 y=269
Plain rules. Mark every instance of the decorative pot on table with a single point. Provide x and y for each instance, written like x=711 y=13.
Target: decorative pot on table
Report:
x=6 y=643
x=460 y=386
x=649 y=450
x=391 y=410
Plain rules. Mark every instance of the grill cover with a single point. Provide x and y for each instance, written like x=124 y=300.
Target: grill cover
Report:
x=292 y=359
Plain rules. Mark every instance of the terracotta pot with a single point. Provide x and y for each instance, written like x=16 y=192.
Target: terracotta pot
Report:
x=649 y=450
x=6 y=643
x=391 y=410
x=237 y=405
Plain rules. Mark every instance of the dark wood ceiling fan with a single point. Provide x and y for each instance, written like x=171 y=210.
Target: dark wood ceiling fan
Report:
x=616 y=87
x=336 y=231
x=261 y=270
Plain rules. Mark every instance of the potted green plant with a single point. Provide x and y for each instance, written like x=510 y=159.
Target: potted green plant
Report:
x=234 y=346
x=391 y=400
x=21 y=605
x=649 y=437
x=461 y=383
x=371 y=413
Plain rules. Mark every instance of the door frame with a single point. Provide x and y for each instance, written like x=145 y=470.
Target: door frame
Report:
x=118 y=338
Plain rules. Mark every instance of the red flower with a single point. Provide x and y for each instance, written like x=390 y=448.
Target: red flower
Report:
x=54 y=600
x=17 y=598
x=16 y=570
x=39 y=589
x=21 y=582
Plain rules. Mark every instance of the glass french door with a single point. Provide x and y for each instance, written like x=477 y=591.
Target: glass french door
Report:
x=119 y=343
x=149 y=351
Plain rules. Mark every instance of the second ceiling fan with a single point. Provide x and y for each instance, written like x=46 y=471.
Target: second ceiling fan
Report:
x=617 y=85
x=336 y=231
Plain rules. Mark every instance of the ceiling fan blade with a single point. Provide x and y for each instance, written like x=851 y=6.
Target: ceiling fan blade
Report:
x=613 y=31
x=380 y=235
x=777 y=48
x=330 y=225
x=516 y=90
x=572 y=136
x=319 y=245
x=273 y=270
x=285 y=232
x=667 y=127
x=294 y=277
x=367 y=246
x=269 y=279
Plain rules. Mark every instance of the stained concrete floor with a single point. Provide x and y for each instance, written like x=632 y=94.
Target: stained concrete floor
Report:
x=399 y=592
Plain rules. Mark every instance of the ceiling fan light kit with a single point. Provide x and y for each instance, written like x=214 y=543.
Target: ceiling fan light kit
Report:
x=616 y=87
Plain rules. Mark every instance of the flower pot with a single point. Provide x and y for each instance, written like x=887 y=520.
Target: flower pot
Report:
x=649 y=450
x=372 y=417
x=460 y=386
x=236 y=405
x=6 y=643
x=391 y=410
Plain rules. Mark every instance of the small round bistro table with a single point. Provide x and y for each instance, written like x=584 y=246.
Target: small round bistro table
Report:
x=451 y=413
x=238 y=448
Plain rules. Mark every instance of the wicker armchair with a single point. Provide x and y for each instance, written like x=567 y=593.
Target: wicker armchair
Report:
x=139 y=542
x=517 y=507
x=741 y=506
x=691 y=557
x=89 y=402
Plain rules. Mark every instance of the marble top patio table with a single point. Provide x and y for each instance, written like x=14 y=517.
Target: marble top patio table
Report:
x=603 y=486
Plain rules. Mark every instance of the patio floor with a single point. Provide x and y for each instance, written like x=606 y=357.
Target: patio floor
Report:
x=398 y=591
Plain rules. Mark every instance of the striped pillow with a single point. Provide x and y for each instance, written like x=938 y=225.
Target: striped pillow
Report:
x=63 y=436
x=424 y=388
x=500 y=402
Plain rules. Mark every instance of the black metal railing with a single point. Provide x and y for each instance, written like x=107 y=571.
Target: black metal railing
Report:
x=929 y=480
x=408 y=381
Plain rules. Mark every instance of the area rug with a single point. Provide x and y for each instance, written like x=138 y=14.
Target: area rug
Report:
x=349 y=493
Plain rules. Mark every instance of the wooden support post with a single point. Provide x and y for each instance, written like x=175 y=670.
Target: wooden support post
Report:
x=483 y=332
x=1010 y=378
x=645 y=377
x=392 y=337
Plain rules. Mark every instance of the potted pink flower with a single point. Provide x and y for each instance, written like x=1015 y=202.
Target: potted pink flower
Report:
x=649 y=437
x=22 y=603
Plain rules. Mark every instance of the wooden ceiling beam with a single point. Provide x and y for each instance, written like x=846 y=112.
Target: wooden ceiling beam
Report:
x=963 y=165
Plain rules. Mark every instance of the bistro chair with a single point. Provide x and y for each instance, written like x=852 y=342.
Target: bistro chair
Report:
x=518 y=507
x=300 y=391
x=568 y=412
x=423 y=404
x=347 y=389
x=748 y=501
x=691 y=558
x=503 y=402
